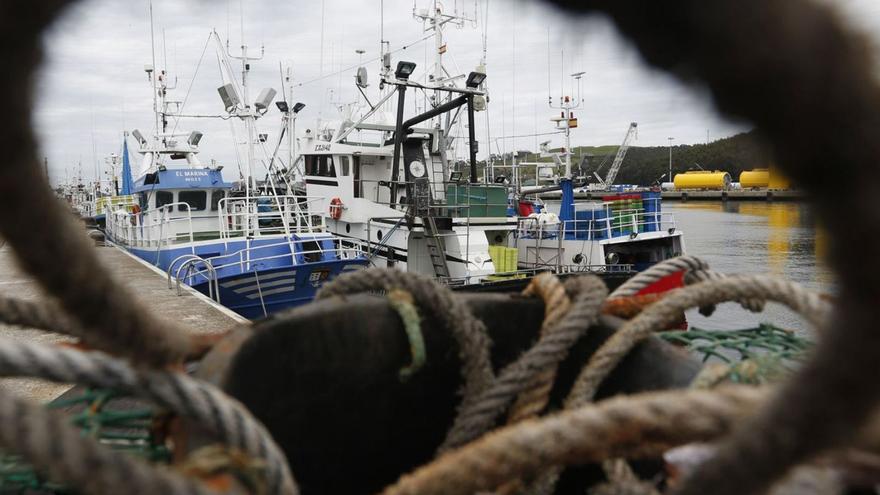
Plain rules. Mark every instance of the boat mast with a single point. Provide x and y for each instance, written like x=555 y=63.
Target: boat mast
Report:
x=247 y=114
x=435 y=20
x=153 y=77
x=291 y=123
x=567 y=121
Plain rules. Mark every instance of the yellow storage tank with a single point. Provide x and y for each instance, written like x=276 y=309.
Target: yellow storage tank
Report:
x=758 y=178
x=702 y=179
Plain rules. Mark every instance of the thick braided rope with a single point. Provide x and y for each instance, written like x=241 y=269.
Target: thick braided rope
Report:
x=533 y=400
x=477 y=418
x=666 y=310
x=42 y=316
x=211 y=408
x=639 y=281
x=48 y=442
x=633 y=426
x=695 y=276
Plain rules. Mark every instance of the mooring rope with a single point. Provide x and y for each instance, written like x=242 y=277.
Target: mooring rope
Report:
x=644 y=425
x=533 y=399
x=212 y=409
x=653 y=318
x=552 y=347
x=40 y=316
x=829 y=119
x=665 y=268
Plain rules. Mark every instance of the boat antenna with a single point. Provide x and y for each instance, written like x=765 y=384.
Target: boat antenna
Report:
x=549 y=70
x=164 y=51
x=321 y=69
x=153 y=71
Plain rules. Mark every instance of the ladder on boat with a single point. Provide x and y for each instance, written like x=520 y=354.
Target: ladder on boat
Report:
x=438 y=176
x=436 y=248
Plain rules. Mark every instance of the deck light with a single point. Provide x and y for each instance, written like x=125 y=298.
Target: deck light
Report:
x=404 y=70
x=282 y=106
x=229 y=97
x=474 y=79
x=297 y=107
x=194 y=138
x=140 y=137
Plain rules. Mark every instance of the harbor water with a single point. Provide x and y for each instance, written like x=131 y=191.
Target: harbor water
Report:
x=780 y=239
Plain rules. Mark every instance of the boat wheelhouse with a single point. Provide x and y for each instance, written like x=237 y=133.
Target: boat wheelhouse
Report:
x=399 y=195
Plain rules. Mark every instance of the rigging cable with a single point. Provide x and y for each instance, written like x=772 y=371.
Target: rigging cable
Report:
x=191 y=83
x=404 y=47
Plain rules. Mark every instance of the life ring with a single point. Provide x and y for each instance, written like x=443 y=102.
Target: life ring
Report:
x=336 y=208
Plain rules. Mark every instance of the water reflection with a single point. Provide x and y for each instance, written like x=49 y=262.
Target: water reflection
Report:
x=781 y=239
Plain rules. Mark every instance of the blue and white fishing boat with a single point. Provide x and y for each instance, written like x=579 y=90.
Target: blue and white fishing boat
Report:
x=250 y=246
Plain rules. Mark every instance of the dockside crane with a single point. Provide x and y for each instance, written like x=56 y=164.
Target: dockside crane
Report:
x=631 y=133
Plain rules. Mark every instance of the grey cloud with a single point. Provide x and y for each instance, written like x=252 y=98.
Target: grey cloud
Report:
x=93 y=81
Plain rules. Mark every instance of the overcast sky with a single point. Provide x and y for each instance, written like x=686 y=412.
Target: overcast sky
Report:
x=93 y=85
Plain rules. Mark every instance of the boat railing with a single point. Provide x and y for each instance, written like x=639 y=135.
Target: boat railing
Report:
x=255 y=216
x=157 y=227
x=188 y=263
x=622 y=223
x=105 y=204
x=301 y=251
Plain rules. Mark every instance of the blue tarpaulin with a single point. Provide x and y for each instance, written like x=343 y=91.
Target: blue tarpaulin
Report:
x=566 y=208
x=126 y=170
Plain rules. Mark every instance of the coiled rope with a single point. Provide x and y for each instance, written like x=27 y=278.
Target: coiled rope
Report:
x=644 y=425
x=479 y=462
x=533 y=399
x=552 y=347
x=212 y=409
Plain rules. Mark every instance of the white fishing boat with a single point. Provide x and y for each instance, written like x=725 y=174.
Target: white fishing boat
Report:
x=625 y=230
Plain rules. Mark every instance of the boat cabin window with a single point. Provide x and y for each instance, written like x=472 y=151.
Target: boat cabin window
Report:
x=344 y=165
x=195 y=199
x=216 y=196
x=163 y=198
x=321 y=166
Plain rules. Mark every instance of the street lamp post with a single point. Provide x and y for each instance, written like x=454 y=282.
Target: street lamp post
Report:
x=670 y=158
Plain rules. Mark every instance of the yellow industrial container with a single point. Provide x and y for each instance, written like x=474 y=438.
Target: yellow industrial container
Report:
x=757 y=178
x=505 y=260
x=702 y=179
